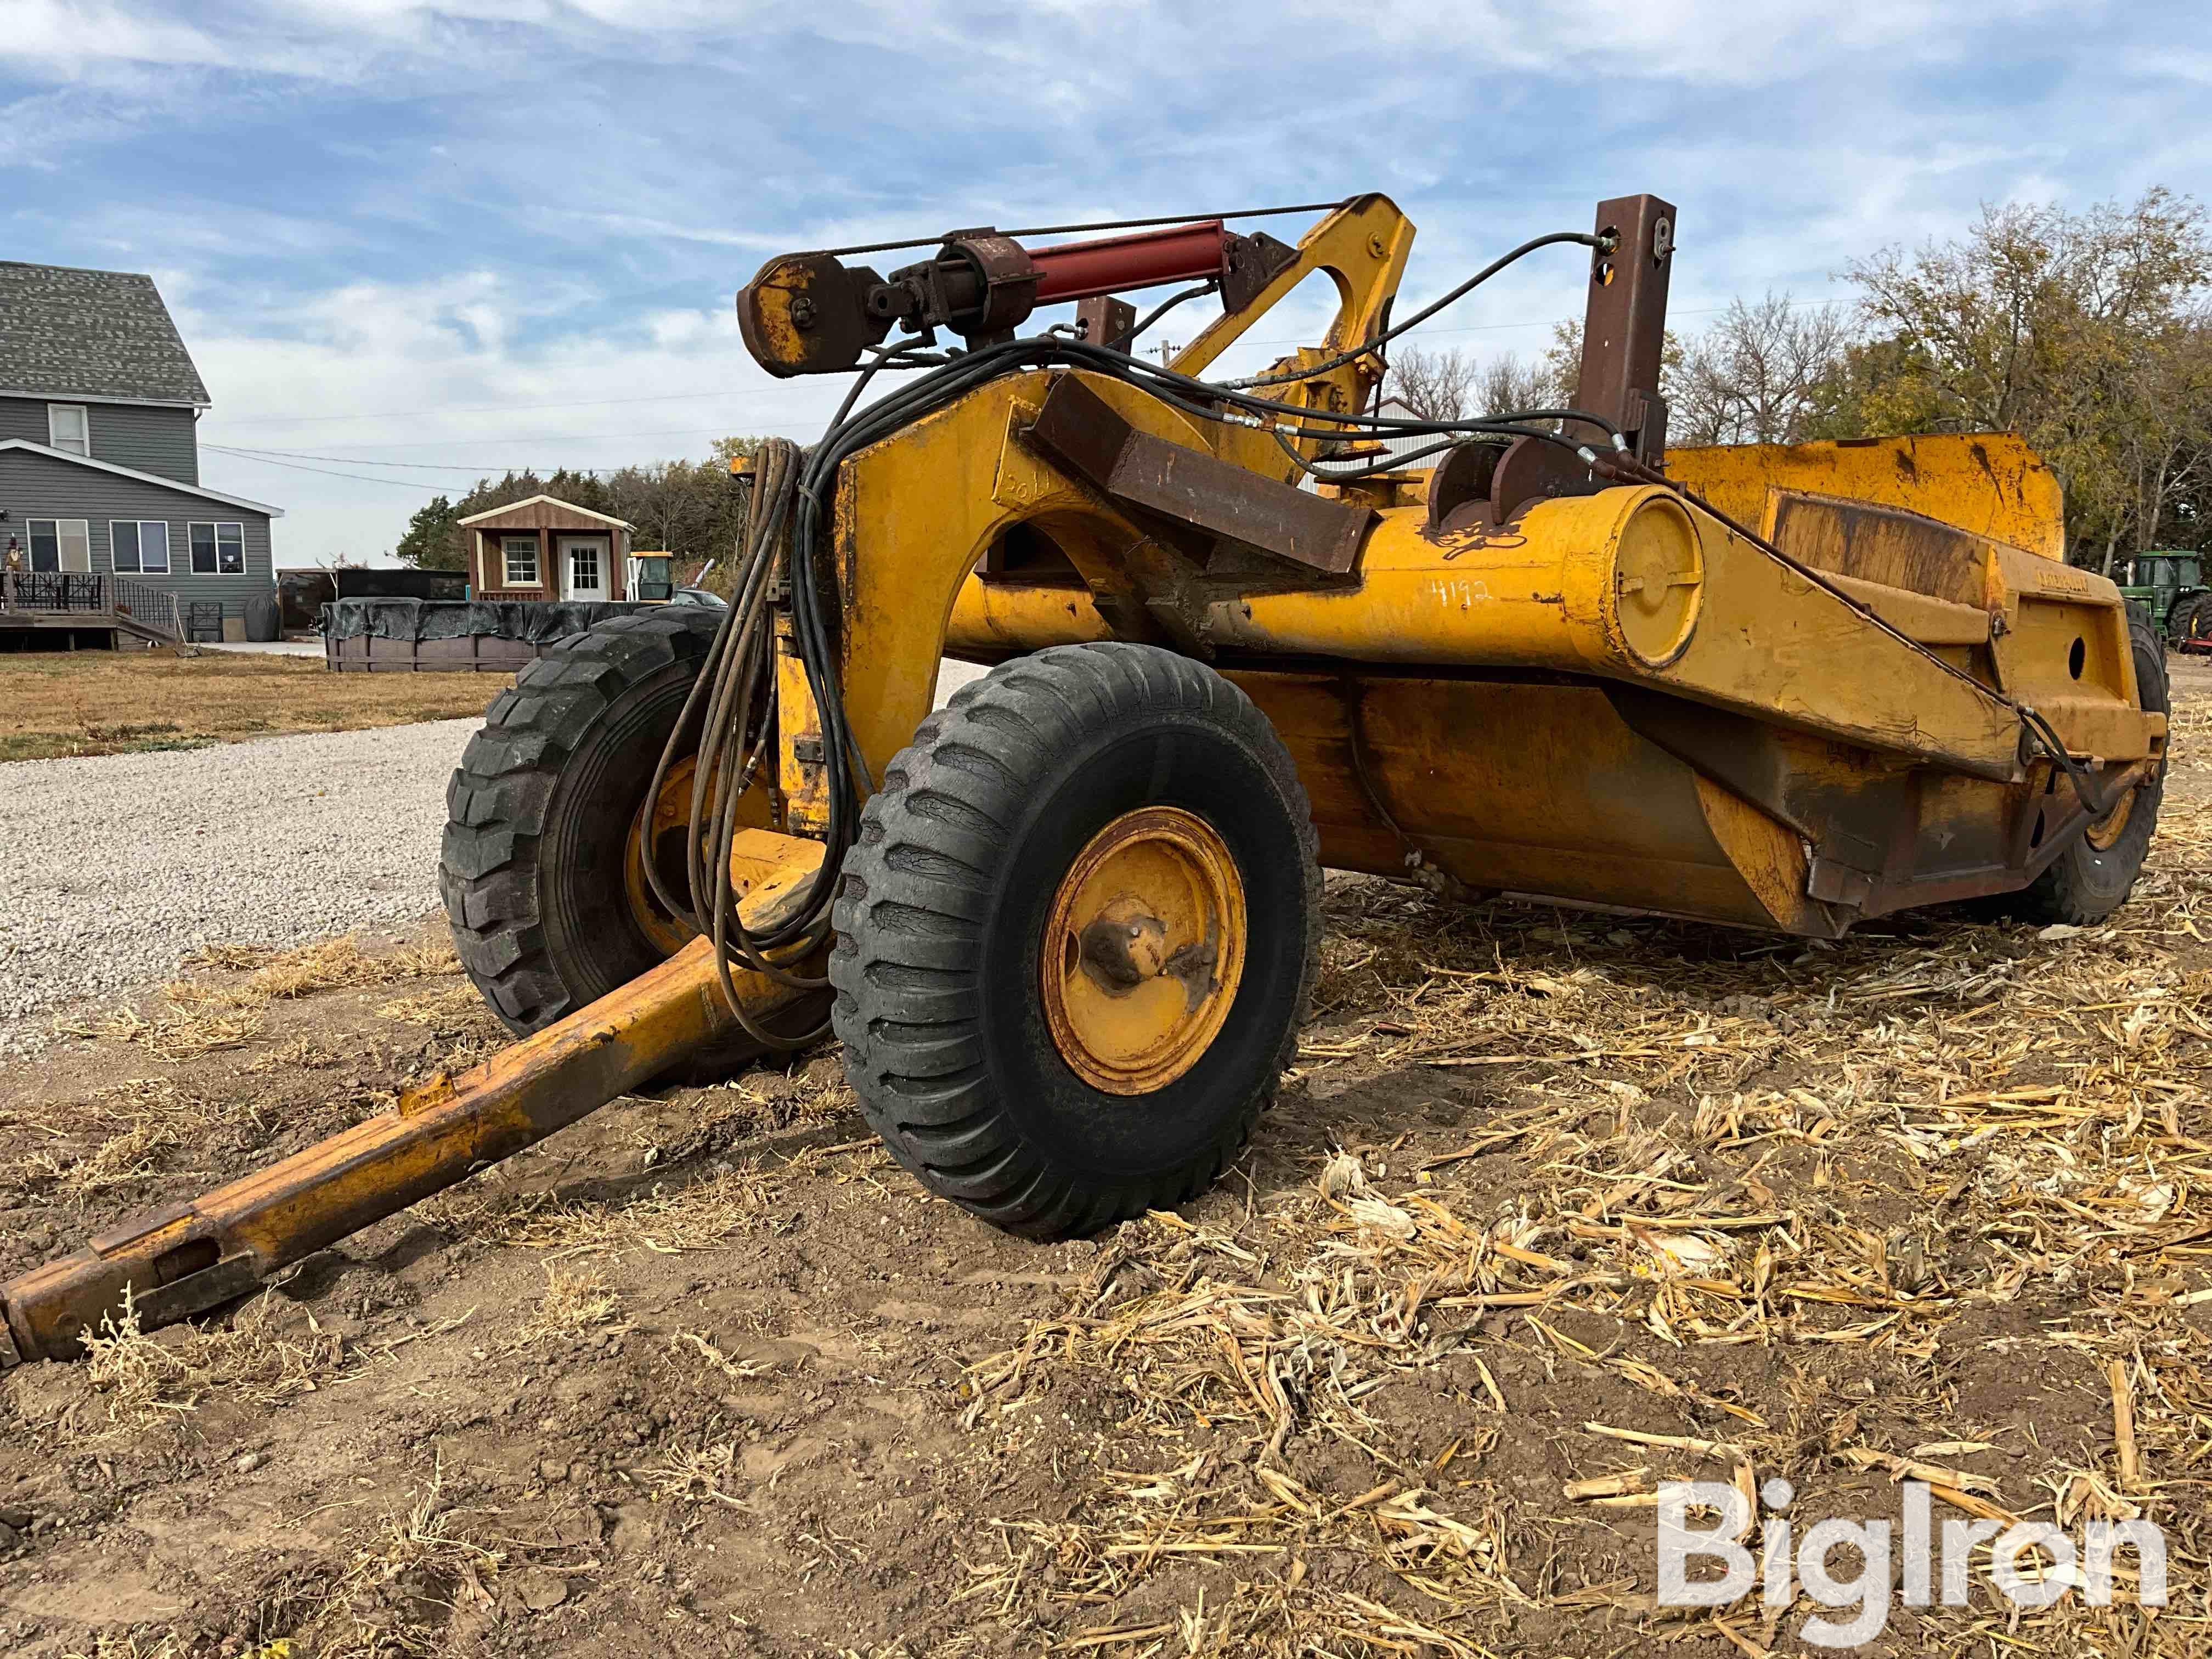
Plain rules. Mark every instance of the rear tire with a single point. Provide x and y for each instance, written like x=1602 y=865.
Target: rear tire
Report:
x=944 y=904
x=2192 y=619
x=2086 y=883
x=539 y=813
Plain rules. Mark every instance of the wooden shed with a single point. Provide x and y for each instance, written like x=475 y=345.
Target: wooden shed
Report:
x=546 y=549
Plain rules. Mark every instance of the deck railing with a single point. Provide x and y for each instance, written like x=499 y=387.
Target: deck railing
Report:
x=79 y=593
x=150 y=606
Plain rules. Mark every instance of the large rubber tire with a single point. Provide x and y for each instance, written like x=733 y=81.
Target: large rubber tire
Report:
x=2086 y=882
x=540 y=814
x=942 y=909
x=2190 y=619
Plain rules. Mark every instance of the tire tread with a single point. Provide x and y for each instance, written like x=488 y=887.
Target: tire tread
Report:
x=915 y=898
x=500 y=794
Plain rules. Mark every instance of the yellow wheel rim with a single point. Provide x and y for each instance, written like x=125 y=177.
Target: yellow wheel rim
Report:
x=1143 y=950
x=2102 y=834
x=658 y=832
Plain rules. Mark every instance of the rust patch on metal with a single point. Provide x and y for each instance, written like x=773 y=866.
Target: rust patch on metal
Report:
x=1881 y=544
x=1084 y=433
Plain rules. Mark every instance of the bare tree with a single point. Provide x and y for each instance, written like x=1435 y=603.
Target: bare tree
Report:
x=2166 y=449
x=1755 y=376
x=1510 y=383
x=1434 y=385
x=665 y=503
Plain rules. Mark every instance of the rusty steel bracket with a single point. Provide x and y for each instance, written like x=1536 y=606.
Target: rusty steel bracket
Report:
x=1248 y=264
x=1625 y=322
x=1084 y=433
x=1104 y=320
x=1624 y=336
x=199 y=1255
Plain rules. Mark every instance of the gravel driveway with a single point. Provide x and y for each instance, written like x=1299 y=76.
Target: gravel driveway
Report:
x=118 y=865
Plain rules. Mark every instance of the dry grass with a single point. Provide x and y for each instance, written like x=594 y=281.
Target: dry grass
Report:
x=305 y=1054
x=325 y=965
x=1826 y=1157
x=575 y=1301
x=455 y=1006
x=124 y=1645
x=196 y=1016
x=59 y=704
x=697 y=1475
x=139 y=1380
x=700 y=1215
x=402 y=1584
x=118 y=1137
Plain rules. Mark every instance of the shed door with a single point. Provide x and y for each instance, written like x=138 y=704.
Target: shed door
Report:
x=584 y=566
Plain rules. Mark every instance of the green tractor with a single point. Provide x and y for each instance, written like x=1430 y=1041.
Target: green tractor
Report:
x=2170 y=587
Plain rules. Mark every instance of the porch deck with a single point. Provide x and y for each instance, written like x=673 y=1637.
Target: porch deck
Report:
x=77 y=602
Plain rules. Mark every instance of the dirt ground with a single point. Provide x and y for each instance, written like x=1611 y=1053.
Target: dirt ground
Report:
x=105 y=702
x=1550 y=1198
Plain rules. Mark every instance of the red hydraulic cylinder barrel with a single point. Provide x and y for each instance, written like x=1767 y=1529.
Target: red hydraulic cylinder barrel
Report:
x=1113 y=264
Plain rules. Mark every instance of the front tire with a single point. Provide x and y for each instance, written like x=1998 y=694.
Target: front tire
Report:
x=1009 y=917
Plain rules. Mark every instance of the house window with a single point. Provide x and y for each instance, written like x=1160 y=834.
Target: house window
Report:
x=60 y=544
x=69 y=428
x=141 y=547
x=584 y=565
x=521 y=553
x=218 y=550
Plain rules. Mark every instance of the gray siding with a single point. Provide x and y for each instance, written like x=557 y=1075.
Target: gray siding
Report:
x=49 y=487
x=147 y=438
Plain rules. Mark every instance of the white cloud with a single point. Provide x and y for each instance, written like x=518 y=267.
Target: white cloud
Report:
x=359 y=378
x=428 y=219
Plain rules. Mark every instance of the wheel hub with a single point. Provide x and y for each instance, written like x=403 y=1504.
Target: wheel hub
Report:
x=659 y=833
x=1144 y=948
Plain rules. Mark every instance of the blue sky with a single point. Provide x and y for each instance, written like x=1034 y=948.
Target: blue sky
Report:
x=507 y=232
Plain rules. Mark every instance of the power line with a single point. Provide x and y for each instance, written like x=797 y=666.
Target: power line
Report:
x=416 y=466
x=480 y=437
x=359 y=478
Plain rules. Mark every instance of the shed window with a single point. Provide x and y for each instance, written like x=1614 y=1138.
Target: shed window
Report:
x=60 y=544
x=141 y=547
x=218 y=550
x=521 y=553
x=69 y=428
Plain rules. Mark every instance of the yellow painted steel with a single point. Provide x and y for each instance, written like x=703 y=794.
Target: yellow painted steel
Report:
x=1520 y=786
x=1514 y=784
x=1989 y=482
x=802 y=780
x=1143 y=950
x=659 y=832
x=1362 y=249
x=1625 y=583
